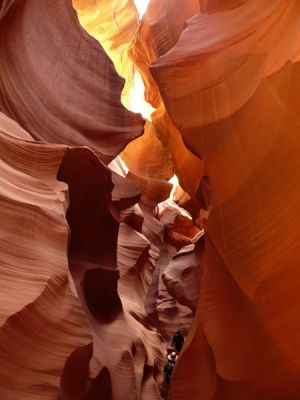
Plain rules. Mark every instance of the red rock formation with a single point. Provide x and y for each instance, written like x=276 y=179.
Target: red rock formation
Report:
x=123 y=339
x=248 y=307
x=58 y=82
x=95 y=274
x=115 y=311
x=155 y=37
x=41 y=321
x=182 y=275
x=114 y=24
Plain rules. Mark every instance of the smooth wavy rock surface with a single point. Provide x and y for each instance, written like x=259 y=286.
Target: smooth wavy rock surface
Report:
x=73 y=321
x=58 y=82
x=182 y=275
x=245 y=130
x=41 y=321
x=123 y=342
x=101 y=264
x=114 y=24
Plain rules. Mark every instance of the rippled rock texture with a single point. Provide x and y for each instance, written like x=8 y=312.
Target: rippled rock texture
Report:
x=101 y=261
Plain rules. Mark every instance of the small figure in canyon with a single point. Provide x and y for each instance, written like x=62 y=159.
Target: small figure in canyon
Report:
x=169 y=367
x=178 y=341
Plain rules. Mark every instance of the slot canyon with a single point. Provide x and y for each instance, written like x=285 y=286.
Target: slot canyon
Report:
x=149 y=184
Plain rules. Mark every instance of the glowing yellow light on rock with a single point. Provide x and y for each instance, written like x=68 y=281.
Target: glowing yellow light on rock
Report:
x=137 y=102
x=119 y=166
x=141 y=6
x=170 y=203
x=92 y=19
x=174 y=181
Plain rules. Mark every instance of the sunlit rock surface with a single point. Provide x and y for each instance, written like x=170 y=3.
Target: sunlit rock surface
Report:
x=58 y=83
x=101 y=261
x=238 y=111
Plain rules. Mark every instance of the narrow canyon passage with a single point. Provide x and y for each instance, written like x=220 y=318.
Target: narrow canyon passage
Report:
x=149 y=184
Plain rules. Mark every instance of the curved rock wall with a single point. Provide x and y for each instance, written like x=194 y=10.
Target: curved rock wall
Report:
x=58 y=82
x=246 y=134
x=95 y=278
x=41 y=321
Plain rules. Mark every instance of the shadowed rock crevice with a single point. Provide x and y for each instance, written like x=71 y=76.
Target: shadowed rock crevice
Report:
x=94 y=232
x=73 y=383
x=101 y=387
x=101 y=293
x=93 y=229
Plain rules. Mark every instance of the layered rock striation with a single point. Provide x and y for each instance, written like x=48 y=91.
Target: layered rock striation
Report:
x=101 y=260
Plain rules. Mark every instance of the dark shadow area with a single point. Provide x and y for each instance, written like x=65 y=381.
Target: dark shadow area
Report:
x=101 y=293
